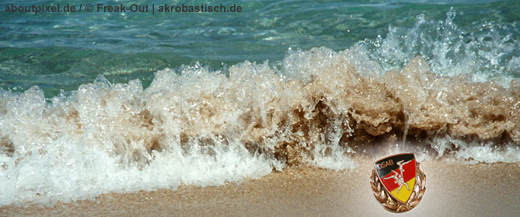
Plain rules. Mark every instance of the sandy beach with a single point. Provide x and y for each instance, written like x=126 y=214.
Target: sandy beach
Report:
x=453 y=189
x=279 y=109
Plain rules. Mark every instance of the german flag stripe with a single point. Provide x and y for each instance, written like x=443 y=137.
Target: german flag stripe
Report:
x=409 y=173
x=386 y=165
x=404 y=192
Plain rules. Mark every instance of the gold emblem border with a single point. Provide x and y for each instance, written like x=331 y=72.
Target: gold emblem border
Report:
x=393 y=205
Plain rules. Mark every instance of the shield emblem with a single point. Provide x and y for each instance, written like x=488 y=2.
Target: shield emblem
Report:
x=397 y=174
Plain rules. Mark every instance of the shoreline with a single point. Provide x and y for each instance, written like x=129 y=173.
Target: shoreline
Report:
x=452 y=189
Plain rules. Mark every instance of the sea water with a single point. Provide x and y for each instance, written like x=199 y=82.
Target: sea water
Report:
x=101 y=102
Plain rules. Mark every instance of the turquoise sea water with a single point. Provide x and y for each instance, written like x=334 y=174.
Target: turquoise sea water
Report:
x=64 y=50
x=100 y=102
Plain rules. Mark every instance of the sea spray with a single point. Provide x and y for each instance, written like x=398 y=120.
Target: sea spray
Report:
x=196 y=126
x=201 y=126
x=489 y=52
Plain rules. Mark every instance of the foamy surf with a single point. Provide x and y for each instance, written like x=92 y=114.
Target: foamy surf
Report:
x=201 y=126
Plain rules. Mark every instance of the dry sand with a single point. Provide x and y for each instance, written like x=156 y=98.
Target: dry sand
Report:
x=452 y=190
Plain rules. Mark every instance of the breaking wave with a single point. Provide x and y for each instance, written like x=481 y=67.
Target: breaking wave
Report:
x=438 y=97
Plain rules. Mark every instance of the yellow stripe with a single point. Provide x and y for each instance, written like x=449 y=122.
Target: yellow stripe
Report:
x=404 y=194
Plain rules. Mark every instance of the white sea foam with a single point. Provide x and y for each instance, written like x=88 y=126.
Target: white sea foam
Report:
x=54 y=159
x=483 y=55
x=195 y=125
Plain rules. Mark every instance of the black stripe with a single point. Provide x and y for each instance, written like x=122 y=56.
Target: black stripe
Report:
x=396 y=158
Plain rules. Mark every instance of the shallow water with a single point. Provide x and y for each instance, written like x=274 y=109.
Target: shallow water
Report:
x=93 y=103
x=62 y=51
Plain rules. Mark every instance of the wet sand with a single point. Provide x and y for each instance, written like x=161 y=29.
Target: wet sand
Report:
x=452 y=190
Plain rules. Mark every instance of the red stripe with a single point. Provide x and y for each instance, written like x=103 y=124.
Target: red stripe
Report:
x=409 y=173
